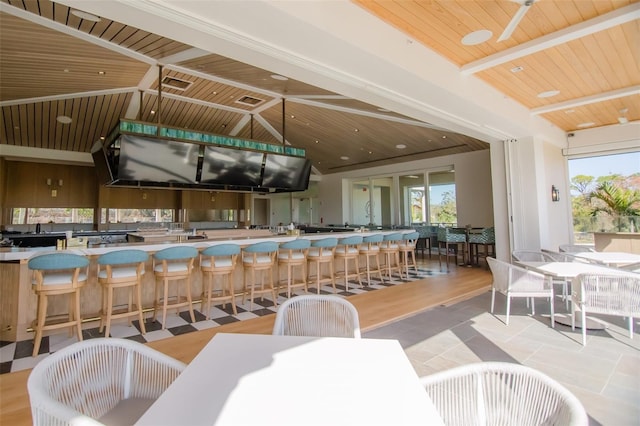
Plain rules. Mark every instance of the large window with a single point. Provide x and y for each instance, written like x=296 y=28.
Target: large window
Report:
x=442 y=198
x=27 y=215
x=137 y=215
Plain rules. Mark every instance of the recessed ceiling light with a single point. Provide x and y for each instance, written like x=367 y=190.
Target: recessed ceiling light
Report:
x=370 y=152
x=317 y=141
x=64 y=119
x=444 y=137
x=548 y=93
x=66 y=70
x=152 y=112
x=517 y=69
x=279 y=77
x=293 y=116
x=570 y=111
x=401 y=146
x=101 y=138
x=84 y=15
x=476 y=37
x=356 y=130
x=101 y=73
x=214 y=93
x=344 y=157
x=589 y=124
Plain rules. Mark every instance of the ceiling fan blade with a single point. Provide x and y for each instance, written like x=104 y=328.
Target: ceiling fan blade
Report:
x=515 y=21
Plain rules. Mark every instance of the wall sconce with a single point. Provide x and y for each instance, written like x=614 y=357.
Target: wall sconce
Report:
x=54 y=184
x=555 y=194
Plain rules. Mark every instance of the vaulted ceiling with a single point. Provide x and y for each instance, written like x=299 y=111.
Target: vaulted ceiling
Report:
x=56 y=61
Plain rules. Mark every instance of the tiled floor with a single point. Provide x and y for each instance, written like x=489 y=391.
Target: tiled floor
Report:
x=604 y=374
x=17 y=356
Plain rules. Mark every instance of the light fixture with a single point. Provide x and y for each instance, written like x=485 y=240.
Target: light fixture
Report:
x=548 y=93
x=622 y=119
x=63 y=119
x=555 y=194
x=401 y=146
x=476 y=37
x=54 y=184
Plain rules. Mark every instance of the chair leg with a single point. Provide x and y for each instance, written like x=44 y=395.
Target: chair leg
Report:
x=164 y=302
x=551 y=309
x=584 y=327
x=493 y=298
x=139 y=306
x=508 y=308
x=109 y=311
x=189 y=299
x=42 y=313
x=630 y=327
x=76 y=295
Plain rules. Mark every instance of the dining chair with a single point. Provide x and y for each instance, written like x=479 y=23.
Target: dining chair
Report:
x=322 y=252
x=485 y=239
x=292 y=254
x=117 y=270
x=218 y=261
x=261 y=258
x=452 y=240
x=531 y=256
x=347 y=251
x=575 y=248
x=370 y=249
x=173 y=264
x=317 y=315
x=514 y=281
x=99 y=381
x=609 y=294
x=502 y=393
x=57 y=274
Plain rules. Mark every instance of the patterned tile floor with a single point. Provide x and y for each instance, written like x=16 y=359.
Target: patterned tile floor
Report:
x=15 y=356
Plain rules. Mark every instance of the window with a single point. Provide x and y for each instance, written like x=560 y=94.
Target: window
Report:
x=442 y=198
x=136 y=215
x=28 y=215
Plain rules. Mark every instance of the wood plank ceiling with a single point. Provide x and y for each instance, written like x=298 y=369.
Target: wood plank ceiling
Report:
x=54 y=62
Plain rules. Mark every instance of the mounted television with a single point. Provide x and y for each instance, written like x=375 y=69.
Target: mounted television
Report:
x=102 y=163
x=157 y=160
x=284 y=172
x=232 y=167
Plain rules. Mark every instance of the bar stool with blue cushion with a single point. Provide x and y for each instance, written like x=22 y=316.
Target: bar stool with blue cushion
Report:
x=219 y=260
x=294 y=254
x=451 y=239
x=53 y=275
x=407 y=249
x=348 y=250
x=390 y=249
x=173 y=264
x=370 y=248
x=322 y=252
x=121 y=269
x=259 y=257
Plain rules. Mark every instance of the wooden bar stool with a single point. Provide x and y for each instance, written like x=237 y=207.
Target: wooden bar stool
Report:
x=370 y=248
x=322 y=252
x=390 y=249
x=219 y=260
x=121 y=269
x=292 y=254
x=407 y=249
x=348 y=250
x=173 y=264
x=259 y=257
x=57 y=274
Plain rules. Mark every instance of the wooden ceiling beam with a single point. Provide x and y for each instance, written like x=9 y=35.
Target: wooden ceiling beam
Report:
x=608 y=20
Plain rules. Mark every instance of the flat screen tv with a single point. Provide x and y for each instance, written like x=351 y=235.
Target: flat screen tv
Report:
x=284 y=172
x=157 y=160
x=102 y=163
x=233 y=167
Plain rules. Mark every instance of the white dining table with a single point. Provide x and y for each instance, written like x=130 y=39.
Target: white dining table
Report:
x=250 y=379
x=610 y=258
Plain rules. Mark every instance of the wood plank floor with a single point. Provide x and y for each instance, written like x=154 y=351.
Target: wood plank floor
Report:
x=375 y=309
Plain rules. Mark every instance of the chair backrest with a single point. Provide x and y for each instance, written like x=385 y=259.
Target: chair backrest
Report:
x=613 y=294
x=82 y=382
x=297 y=244
x=575 y=248
x=221 y=250
x=325 y=242
x=531 y=256
x=176 y=253
x=411 y=236
x=263 y=247
x=452 y=235
x=317 y=315
x=502 y=393
x=396 y=236
x=508 y=277
x=486 y=236
x=53 y=261
x=123 y=257
x=350 y=241
x=375 y=238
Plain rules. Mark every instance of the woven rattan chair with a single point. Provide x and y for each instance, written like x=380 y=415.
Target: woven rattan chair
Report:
x=317 y=315
x=532 y=256
x=575 y=248
x=513 y=281
x=500 y=393
x=615 y=294
x=99 y=381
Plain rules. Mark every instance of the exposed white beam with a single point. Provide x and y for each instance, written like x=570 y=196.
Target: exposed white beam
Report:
x=145 y=83
x=241 y=123
x=198 y=102
x=56 y=156
x=264 y=123
x=68 y=96
x=600 y=97
x=600 y=23
x=185 y=55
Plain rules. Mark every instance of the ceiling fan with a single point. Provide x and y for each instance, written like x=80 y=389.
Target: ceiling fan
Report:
x=524 y=7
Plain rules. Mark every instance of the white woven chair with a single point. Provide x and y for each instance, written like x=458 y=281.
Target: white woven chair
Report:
x=513 y=281
x=531 y=256
x=609 y=294
x=317 y=315
x=99 y=381
x=500 y=393
x=575 y=248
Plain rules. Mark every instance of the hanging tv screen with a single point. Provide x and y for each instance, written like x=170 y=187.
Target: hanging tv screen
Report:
x=284 y=172
x=157 y=160
x=233 y=167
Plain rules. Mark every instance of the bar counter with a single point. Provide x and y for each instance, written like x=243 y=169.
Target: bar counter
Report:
x=18 y=301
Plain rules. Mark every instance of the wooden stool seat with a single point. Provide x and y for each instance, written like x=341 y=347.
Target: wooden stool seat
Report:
x=259 y=257
x=390 y=249
x=293 y=254
x=407 y=249
x=322 y=252
x=219 y=260
x=370 y=248
x=348 y=250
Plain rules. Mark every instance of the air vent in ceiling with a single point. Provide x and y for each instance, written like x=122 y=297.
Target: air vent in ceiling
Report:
x=248 y=100
x=175 y=83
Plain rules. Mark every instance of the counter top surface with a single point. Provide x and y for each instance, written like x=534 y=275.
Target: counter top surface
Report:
x=14 y=254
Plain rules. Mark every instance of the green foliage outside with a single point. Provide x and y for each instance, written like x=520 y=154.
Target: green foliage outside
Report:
x=445 y=212
x=605 y=204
